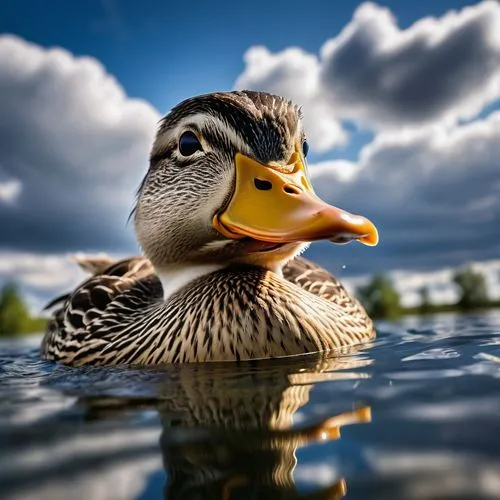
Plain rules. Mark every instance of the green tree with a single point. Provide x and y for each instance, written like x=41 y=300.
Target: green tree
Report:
x=472 y=287
x=425 y=301
x=14 y=315
x=380 y=298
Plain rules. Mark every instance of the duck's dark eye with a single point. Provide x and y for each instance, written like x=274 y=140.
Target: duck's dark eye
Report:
x=305 y=148
x=189 y=144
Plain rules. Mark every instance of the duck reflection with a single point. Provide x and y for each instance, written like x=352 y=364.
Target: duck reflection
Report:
x=229 y=433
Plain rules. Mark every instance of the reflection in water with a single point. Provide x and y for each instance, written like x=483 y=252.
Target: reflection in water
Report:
x=263 y=430
x=228 y=438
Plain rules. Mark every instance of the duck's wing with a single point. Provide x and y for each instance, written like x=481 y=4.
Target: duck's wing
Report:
x=60 y=299
x=317 y=280
x=98 y=306
x=131 y=267
x=94 y=264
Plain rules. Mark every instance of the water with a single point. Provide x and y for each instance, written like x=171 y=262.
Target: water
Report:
x=416 y=415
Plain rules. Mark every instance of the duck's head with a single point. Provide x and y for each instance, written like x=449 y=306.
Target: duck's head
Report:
x=228 y=183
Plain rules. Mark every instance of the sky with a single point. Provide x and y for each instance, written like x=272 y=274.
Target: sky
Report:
x=401 y=104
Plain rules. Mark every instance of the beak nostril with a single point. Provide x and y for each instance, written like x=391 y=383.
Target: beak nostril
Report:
x=288 y=188
x=262 y=184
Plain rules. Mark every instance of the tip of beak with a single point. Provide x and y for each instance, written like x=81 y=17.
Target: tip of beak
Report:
x=355 y=227
x=364 y=229
x=371 y=238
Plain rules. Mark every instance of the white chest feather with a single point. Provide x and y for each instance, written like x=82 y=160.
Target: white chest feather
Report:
x=173 y=280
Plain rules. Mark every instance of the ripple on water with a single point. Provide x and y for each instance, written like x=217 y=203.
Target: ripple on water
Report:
x=435 y=354
x=414 y=415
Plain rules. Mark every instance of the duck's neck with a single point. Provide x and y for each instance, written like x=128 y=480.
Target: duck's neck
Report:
x=175 y=278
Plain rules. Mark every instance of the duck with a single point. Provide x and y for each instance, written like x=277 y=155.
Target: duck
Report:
x=222 y=215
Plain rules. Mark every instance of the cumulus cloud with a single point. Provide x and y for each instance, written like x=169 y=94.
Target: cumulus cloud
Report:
x=445 y=68
x=73 y=148
x=340 y=170
x=41 y=277
x=383 y=77
x=295 y=74
x=434 y=194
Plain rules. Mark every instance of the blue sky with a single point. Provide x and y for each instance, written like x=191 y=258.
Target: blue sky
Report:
x=167 y=51
x=401 y=103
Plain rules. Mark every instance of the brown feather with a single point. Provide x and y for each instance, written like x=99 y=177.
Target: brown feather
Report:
x=120 y=317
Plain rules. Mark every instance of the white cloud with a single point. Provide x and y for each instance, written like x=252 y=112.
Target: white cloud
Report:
x=40 y=276
x=294 y=74
x=446 y=68
x=383 y=77
x=9 y=191
x=440 y=284
x=335 y=170
x=73 y=148
x=44 y=272
x=429 y=178
x=433 y=192
x=491 y=271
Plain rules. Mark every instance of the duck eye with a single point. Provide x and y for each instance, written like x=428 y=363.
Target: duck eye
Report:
x=305 y=148
x=189 y=144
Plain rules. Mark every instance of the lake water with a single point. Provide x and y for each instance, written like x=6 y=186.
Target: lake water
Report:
x=415 y=415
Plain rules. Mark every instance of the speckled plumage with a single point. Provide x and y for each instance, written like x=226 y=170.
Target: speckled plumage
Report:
x=119 y=316
x=244 y=310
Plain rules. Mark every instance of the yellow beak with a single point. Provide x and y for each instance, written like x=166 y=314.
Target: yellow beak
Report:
x=278 y=205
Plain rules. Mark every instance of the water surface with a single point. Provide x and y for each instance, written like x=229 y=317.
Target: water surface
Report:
x=415 y=415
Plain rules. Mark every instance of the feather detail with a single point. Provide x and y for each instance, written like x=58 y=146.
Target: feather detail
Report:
x=120 y=317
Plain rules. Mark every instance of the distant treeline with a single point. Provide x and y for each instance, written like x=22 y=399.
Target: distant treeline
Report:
x=382 y=300
x=15 y=318
x=379 y=297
